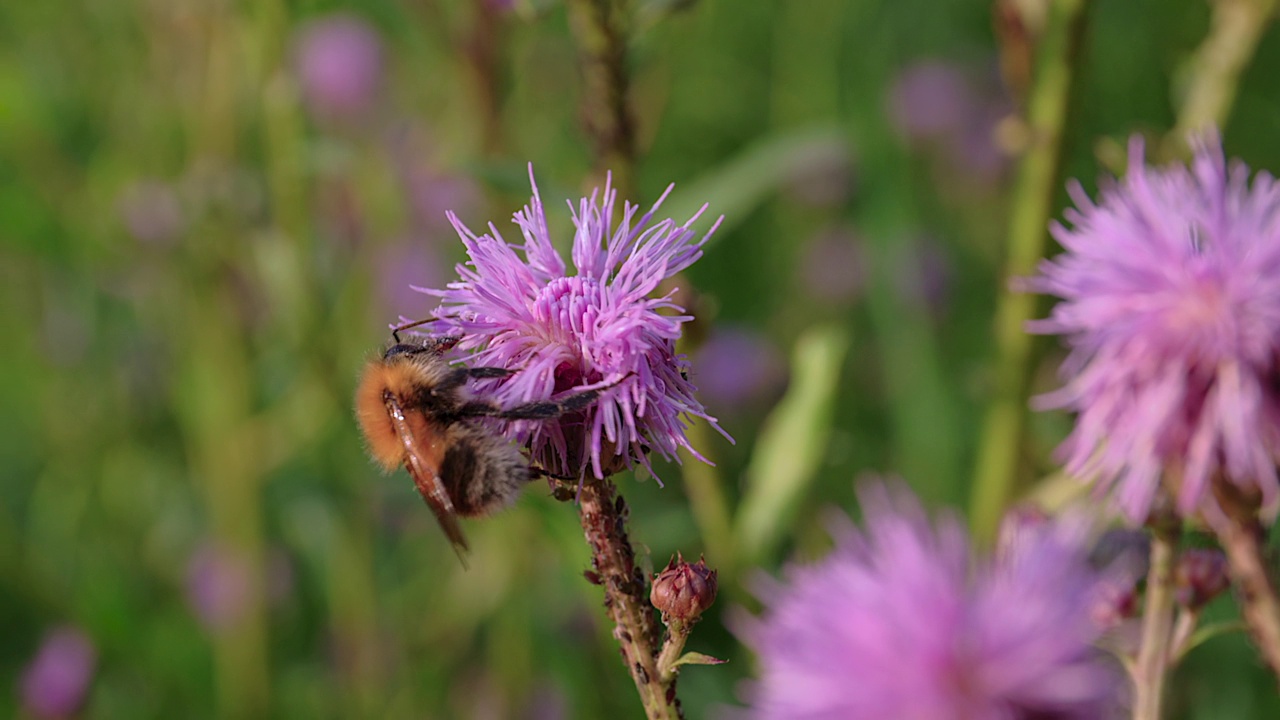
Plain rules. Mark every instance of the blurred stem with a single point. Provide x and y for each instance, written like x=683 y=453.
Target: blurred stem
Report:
x=1157 y=623
x=215 y=401
x=601 y=27
x=703 y=484
x=1214 y=73
x=1243 y=541
x=604 y=517
x=483 y=47
x=1032 y=199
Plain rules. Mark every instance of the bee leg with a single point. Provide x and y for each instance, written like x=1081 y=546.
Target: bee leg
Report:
x=479 y=373
x=545 y=410
x=458 y=375
x=564 y=488
x=540 y=410
x=536 y=472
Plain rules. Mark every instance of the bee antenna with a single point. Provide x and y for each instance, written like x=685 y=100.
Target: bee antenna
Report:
x=395 y=331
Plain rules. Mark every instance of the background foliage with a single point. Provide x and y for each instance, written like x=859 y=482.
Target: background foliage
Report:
x=196 y=258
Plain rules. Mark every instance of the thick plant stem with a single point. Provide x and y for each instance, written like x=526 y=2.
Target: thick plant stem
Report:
x=1242 y=539
x=1036 y=186
x=1152 y=668
x=636 y=627
x=601 y=29
x=1214 y=73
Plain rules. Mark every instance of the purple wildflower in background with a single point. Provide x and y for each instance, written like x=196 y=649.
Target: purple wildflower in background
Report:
x=519 y=308
x=738 y=368
x=930 y=99
x=56 y=681
x=1170 y=290
x=900 y=621
x=219 y=586
x=339 y=65
x=833 y=268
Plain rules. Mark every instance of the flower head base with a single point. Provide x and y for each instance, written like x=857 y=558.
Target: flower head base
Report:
x=1170 y=290
x=596 y=328
x=899 y=621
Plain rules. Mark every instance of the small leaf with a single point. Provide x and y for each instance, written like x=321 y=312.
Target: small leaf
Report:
x=697 y=658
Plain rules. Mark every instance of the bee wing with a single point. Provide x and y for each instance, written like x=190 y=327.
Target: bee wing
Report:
x=427 y=481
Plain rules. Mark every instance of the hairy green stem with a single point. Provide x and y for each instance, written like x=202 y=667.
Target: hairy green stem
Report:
x=1157 y=625
x=672 y=647
x=1033 y=193
x=636 y=628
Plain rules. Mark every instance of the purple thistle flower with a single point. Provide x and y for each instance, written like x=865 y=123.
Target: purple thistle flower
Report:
x=57 y=680
x=598 y=327
x=900 y=621
x=1170 y=290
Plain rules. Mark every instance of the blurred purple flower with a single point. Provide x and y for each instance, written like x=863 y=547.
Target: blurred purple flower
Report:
x=219 y=585
x=1170 y=290
x=338 y=59
x=924 y=275
x=930 y=99
x=594 y=328
x=826 y=180
x=900 y=621
x=151 y=212
x=432 y=194
x=833 y=268
x=737 y=368
x=57 y=679
x=404 y=263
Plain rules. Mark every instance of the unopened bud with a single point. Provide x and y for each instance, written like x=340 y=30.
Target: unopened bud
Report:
x=1114 y=603
x=1200 y=576
x=683 y=590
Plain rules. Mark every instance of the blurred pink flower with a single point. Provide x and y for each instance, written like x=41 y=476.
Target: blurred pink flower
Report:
x=218 y=587
x=339 y=63
x=152 y=212
x=400 y=269
x=902 y=621
x=946 y=105
x=833 y=267
x=57 y=679
x=1170 y=290
x=736 y=368
x=930 y=99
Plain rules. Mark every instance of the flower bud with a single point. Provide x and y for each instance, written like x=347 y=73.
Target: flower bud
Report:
x=683 y=590
x=1114 y=602
x=1199 y=576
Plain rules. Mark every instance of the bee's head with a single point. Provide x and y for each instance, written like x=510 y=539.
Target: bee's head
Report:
x=400 y=348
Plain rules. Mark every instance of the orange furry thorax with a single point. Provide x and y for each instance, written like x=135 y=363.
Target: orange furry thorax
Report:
x=401 y=379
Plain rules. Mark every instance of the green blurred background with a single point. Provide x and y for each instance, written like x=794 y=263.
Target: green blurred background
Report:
x=210 y=212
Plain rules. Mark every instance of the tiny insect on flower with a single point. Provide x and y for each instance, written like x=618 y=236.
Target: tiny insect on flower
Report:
x=415 y=411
